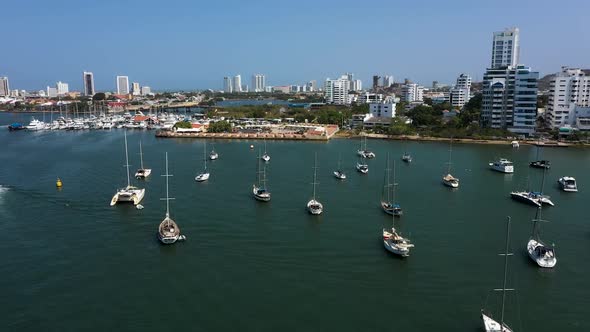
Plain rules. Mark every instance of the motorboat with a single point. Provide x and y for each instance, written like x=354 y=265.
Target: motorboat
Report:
x=541 y=254
x=35 y=125
x=314 y=206
x=568 y=183
x=16 y=126
x=213 y=155
x=515 y=144
x=502 y=165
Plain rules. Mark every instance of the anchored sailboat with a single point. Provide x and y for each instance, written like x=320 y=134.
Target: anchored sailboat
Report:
x=213 y=155
x=259 y=189
x=449 y=180
x=130 y=193
x=363 y=152
x=540 y=253
x=168 y=231
x=314 y=206
x=265 y=156
x=204 y=176
x=489 y=323
x=143 y=172
x=388 y=203
x=338 y=173
x=394 y=242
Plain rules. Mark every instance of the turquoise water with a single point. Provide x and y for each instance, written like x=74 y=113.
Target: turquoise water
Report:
x=72 y=262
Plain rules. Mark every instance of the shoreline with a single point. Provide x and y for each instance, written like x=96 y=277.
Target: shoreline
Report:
x=254 y=136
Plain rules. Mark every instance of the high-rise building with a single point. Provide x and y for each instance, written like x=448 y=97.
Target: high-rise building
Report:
x=387 y=81
x=569 y=99
x=506 y=48
x=461 y=93
x=509 y=99
x=336 y=91
x=227 y=86
x=258 y=82
x=122 y=85
x=356 y=85
x=51 y=92
x=62 y=88
x=4 y=87
x=145 y=90
x=350 y=76
x=413 y=92
x=376 y=81
x=237 y=83
x=312 y=86
x=88 y=79
x=135 y=89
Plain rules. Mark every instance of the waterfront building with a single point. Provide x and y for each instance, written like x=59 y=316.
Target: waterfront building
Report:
x=510 y=99
x=336 y=91
x=62 y=88
x=356 y=85
x=569 y=99
x=122 y=85
x=506 y=48
x=383 y=109
x=88 y=79
x=145 y=90
x=135 y=89
x=4 y=87
x=268 y=89
x=51 y=92
x=258 y=83
x=413 y=92
x=387 y=81
x=227 y=85
x=237 y=83
x=461 y=93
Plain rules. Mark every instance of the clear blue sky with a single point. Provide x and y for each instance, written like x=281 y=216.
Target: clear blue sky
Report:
x=189 y=44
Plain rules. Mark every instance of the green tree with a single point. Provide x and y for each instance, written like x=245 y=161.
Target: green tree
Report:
x=219 y=127
x=183 y=124
x=99 y=96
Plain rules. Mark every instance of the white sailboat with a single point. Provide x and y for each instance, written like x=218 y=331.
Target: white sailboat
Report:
x=361 y=166
x=388 y=203
x=265 y=156
x=204 y=176
x=168 y=231
x=143 y=172
x=130 y=193
x=449 y=180
x=213 y=155
x=314 y=206
x=259 y=189
x=394 y=242
x=489 y=323
x=538 y=251
x=338 y=173
x=363 y=151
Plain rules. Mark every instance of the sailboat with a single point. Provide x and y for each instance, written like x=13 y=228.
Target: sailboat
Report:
x=540 y=253
x=388 y=203
x=143 y=172
x=406 y=157
x=394 y=242
x=130 y=193
x=314 y=206
x=540 y=163
x=449 y=180
x=213 y=155
x=259 y=189
x=489 y=323
x=265 y=156
x=536 y=198
x=205 y=175
x=338 y=173
x=168 y=231
x=364 y=152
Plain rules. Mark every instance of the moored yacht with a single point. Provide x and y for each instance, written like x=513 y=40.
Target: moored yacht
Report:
x=265 y=156
x=259 y=189
x=363 y=152
x=338 y=173
x=142 y=172
x=503 y=165
x=129 y=194
x=314 y=206
x=168 y=230
x=540 y=253
x=213 y=155
x=203 y=176
x=35 y=125
x=568 y=183
x=407 y=158
x=388 y=203
x=449 y=180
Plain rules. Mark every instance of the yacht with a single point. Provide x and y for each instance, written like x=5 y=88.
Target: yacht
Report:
x=129 y=194
x=515 y=144
x=395 y=243
x=338 y=173
x=168 y=231
x=491 y=324
x=525 y=197
x=142 y=172
x=204 y=176
x=449 y=180
x=540 y=253
x=314 y=206
x=388 y=203
x=35 y=125
x=568 y=183
x=259 y=189
x=503 y=166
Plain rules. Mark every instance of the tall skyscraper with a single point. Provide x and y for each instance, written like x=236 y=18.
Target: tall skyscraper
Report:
x=88 y=79
x=227 y=86
x=62 y=88
x=356 y=85
x=258 y=82
x=506 y=48
x=135 y=89
x=569 y=99
x=237 y=83
x=461 y=93
x=336 y=91
x=122 y=85
x=376 y=81
x=4 y=87
x=312 y=86
x=387 y=81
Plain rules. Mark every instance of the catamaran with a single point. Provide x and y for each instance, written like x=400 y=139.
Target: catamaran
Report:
x=204 y=176
x=540 y=253
x=489 y=323
x=314 y=206
x=388 y=203
x=130 y=193
x=143 y=172
x=338 y=173
x=168 y=231
x=536 y=198
x=449 y=180
x=259 y=189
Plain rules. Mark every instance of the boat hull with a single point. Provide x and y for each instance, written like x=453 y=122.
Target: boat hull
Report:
x=127 y=195
x=260 y=196
x=339 y=175
x=314 y=207
x=398 y=247
x=364 y=169
x=202 y=177
x=541 y=254
x=143 y=173
x=491 y=325
x=168 y=231
x=524 y=198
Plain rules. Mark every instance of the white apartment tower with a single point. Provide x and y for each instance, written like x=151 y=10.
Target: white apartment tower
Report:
x=413 y=92
x=387 y=81
x=569 y=99
x=227 y=86
x=122 y=85
x=62 y=88
x=461 y=93
x=88 y=79
x=336 y=91
x=506 y=48
x=4 y=87
x=145 y=90
x=258 y=82
x=237 y=83
x=135 y=89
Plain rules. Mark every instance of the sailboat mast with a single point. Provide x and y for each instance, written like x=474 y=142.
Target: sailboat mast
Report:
x=315 y=168
x=450 y=155
x=393 y=185
x=388 y=184
x=141 y=154
x=127 y=160
x=167 y=193
x=205 y=154
x=506 y=254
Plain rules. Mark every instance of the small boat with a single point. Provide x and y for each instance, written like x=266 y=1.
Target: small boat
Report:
x=16 y=126
x=525 y=197
x=540 y=164
x=407 y=158
x=314 y=206
x=540 y=253
x=490 y=324
x=449 y=180
x=568 y=183
x=338 y=173
x=143 y=172
x=265 y=156
x=129 y=194
x=363 y=152
x=503 y=165
x=362 y=167
x=204 y=176
x=259 y=189
x=168 y=230
x=213 y=155
x=515 y=144
x=388 y=203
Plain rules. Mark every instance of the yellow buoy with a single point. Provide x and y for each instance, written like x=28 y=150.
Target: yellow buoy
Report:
x=58 y=183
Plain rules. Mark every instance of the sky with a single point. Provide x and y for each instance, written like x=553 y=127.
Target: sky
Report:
x=192 y=44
